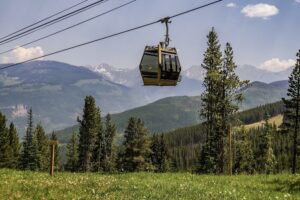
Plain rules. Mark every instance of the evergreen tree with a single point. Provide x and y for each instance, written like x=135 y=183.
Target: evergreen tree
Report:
x=143 y=159
x=292 y=114
x=29 y=155
x=282 y=150
x=15 y=146
x=72 y=154
x=165 y=156
x=110 y=132
x=136 y=156
x=211 y=100
x=265 y=156
x=126 y=160
x=206 y=162
x=5 y=151
x=231 y=98
x=56 y=151
x=155 y=148
x=88 y=130
x=160 y=154
x=99 y=146
x=219 y=103
x=244 y=157
x=43 y=148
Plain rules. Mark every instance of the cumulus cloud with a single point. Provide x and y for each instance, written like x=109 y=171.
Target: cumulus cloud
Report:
x=277 y=65
x=19 y=111
x=264 y=11
x=21 y=54
x=232 y=5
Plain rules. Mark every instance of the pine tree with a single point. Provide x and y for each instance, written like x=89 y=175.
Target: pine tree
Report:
x=88 y=130
x=126 y=157
x=5 y=151
x=99 y=146
x=155 y=148
x=72 y=154
x=160 y=154
x=15 y=146
x=219 y=103
x=292 y=113
x=136 y=156
x=165 y=156
x=266 y=160
x=43 y=148
x=29 y=156
x=282 y=147
x=231 y=98
x=110 y=132
x=143 y=159
x=56 y=152
x=211 y=99
x=244 y=157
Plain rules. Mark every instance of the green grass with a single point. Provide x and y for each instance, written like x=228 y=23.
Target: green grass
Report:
x=35 y=185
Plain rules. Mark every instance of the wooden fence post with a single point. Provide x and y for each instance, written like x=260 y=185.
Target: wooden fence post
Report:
x=52 y=143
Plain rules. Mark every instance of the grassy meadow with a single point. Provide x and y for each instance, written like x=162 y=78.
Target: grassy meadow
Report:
x=277 y=120
x=36 y=185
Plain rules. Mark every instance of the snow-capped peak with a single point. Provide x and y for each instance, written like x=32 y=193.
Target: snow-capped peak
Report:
x=122 y=76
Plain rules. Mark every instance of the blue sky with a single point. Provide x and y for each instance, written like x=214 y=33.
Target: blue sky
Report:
x=265 y=33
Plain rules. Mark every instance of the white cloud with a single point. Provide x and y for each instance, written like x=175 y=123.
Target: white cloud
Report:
x=298 y=1
x=261 y=10
x=231 y=5
x=277 y=65
x=22 y=54
x=19 y=111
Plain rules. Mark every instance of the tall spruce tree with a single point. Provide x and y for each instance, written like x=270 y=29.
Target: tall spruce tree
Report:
x=126 y=157
x=211 y=102
x=29 y=155
x=5 y=151
x=72 y=154
x=99 y=146
x=14 y=145
x=136 y=156
x=219 y=102
x=143 y=159
x=110 y=132
x=88 y=130
x=43 y=148
x=230 y=99
x=292 y=113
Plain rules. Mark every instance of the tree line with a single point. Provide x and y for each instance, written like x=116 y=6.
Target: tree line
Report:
x=32 y=154
x=95 y=150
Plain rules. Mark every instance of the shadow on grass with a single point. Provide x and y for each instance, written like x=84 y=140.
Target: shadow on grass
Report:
x=284 y=185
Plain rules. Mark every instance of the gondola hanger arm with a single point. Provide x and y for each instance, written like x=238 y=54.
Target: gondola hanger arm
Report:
x=166 y=21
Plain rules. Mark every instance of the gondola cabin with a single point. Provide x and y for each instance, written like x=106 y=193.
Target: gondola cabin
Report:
x=160 y=66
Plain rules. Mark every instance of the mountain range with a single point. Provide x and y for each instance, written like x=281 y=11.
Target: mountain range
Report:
x=245 y=72
x=131 y=77
x=56 y=93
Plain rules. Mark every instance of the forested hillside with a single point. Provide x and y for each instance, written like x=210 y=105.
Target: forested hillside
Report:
x=184 y=143
x=187 y=113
